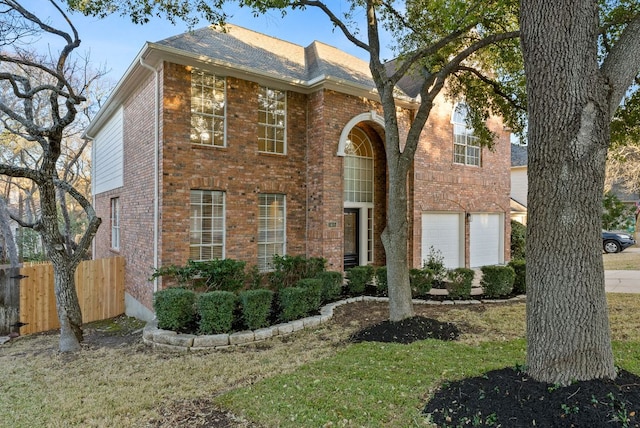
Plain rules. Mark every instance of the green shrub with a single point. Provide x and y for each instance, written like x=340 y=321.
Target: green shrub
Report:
x=292 y=303
x=313 y=287
x=520 y=283
x=224 y=275
x=331 y=285
x=256 y=307
x=434 y=266
x=357 y=279
x=460 y=281
x=497 y=281
x=421 y=282
x=518 y=240
x=288 y=270
x=175 y=308
x=216 y=311
x=382 y=286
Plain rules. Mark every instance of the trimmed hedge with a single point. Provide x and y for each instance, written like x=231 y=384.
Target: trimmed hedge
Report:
x=288 y=270
x=497 y=281
x=292 y=303
x=313 y=296
x=256 y=308
x=518 y=240
x=216 y=311
x=382 y=285
x=460 y=281
x=357 y=279
x=331 y=285
x=520 y=283
x=175 y=308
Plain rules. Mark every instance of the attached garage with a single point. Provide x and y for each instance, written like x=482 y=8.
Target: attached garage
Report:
x=486 y=235
x=445 y=233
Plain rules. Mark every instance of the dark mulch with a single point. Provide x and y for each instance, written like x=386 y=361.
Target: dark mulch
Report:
x=407 y=331
x=509 y=398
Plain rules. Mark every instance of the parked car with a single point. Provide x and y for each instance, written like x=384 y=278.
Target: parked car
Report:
x=614 y=242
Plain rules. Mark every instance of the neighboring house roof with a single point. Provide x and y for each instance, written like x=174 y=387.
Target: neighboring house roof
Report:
x=237 y=51
x=519 y=155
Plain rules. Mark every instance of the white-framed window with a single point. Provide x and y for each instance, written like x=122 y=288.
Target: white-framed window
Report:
x=208 y=107
x=359 y=183
x=466 y=146
x=207 y=225
x=271 y=228
x=115 y=223
x=272 y=114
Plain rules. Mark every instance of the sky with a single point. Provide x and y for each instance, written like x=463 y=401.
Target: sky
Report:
x=114 y=42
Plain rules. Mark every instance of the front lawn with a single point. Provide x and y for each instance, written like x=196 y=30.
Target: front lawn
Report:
x=313 y=378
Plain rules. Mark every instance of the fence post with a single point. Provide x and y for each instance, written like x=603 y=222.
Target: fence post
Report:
x=9 y=300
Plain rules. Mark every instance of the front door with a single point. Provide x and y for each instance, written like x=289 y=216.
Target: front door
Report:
x=351 y=238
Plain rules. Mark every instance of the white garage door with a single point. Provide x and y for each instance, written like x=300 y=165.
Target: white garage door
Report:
x=487 y=242
x=442 y=231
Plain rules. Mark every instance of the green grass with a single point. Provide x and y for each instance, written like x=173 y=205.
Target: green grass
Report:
x=313 y=378
x=369 y=384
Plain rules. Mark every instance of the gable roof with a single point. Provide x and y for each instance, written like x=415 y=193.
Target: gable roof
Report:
x=519 y=155
x=243 y=53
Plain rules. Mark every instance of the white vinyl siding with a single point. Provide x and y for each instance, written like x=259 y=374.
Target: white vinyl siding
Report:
x=519 y=184
x=486 y=239
x=108 y=158
x=444 y=233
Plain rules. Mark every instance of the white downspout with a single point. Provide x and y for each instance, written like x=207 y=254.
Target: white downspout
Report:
x=156 y=168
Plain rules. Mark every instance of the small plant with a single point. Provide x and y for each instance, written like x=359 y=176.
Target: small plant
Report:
x=216 y=311
x=174 y=308
x=459 y=283
x=382 y=287
x=568 y=410
x=518 y=240
x=497 y=281
x=256 y=307
x=421 y=282
x=331 y=285
x=434 y=265
x=292 y=303
x=357 y=279
x=520 y=281
x=313 y=287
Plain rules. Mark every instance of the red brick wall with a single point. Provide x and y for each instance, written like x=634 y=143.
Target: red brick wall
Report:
x=441 y=185
x=310 y=175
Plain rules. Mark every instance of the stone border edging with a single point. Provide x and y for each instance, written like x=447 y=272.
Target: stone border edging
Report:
x=172 y=341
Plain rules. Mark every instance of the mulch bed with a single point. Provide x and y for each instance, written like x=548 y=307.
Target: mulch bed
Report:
x=407 y=331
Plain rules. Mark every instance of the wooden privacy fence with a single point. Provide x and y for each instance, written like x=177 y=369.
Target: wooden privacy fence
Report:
x=99 y=284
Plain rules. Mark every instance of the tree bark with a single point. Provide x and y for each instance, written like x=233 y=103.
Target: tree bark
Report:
x=68 y=307
x=568 y=335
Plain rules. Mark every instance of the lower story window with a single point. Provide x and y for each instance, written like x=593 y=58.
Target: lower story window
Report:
x=115 y=223
x=207 y=226
x=271 y=229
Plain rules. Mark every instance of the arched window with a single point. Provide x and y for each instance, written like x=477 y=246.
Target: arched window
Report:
x=466 y=147
x=358 y=168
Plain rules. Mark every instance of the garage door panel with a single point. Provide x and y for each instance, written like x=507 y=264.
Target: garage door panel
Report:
x=486 y=239
x=442 y=232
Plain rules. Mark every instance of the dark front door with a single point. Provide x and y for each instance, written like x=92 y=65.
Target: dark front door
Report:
x=351 y=247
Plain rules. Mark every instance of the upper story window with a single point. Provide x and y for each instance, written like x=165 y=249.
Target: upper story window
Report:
x=115 y=223
x=466 y=147
x=207 y=226
x=208 y=103
x=358 y=167
x=272 y=113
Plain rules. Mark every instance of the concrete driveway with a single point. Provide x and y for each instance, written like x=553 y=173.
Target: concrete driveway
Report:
x=623 y=281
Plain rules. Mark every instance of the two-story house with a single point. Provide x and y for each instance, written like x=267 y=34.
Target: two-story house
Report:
x=234 y=144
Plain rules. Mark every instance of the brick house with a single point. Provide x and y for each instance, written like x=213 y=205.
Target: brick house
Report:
x=239 y=145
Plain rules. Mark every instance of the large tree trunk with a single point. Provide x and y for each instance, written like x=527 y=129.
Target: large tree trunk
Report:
x=395 y=239
x=68 y=307
x=568 y=334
